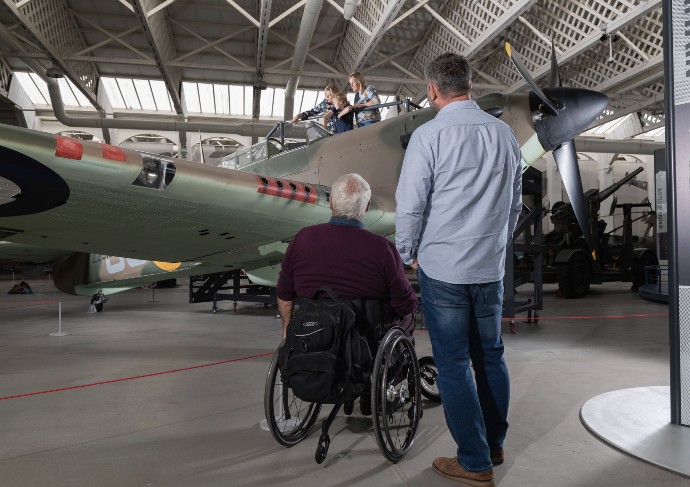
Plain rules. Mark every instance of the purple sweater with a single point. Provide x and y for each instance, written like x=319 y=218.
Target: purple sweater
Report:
x=352 y=261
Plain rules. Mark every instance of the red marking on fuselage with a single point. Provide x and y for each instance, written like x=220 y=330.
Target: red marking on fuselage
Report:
x=68 y=147
x=113 y=153
x=291 y=190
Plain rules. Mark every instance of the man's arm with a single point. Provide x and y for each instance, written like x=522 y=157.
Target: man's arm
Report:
x=516 y=203
x=285 y=309
x=411 y=196
x=285 y=289
x=402 y=297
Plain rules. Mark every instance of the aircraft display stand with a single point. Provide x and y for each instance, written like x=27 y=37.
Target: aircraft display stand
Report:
x=525 y=249
x=210 y=287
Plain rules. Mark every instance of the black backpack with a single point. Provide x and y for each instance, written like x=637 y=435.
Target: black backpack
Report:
x=324 y=359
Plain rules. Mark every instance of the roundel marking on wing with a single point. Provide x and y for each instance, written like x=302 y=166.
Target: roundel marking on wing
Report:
x=168 y=266
x=40 y=188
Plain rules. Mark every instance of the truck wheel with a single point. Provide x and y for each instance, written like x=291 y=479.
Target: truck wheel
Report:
x=574 y=277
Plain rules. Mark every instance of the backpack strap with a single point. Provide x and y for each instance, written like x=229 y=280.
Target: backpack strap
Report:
x=330 y=292
x=349 y=388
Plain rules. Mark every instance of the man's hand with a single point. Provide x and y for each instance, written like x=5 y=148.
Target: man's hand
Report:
x=414 y=265
x=285 y=308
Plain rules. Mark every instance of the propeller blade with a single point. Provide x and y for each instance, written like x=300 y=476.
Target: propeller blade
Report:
x=555 y=76
x=550 y=108
x=566 y=159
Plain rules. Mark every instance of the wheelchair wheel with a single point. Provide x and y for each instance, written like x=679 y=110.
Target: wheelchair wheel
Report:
x=289 y=418
x=395 y=395
x=429 y=375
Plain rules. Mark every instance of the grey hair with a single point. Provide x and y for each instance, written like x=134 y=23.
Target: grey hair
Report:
x=451 y=73
x=350 y=195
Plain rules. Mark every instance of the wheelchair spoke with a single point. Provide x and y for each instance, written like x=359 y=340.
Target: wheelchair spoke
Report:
x=397 y=389
x=289 y=418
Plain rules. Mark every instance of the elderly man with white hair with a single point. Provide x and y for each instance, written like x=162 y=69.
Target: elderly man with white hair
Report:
x=351 y=260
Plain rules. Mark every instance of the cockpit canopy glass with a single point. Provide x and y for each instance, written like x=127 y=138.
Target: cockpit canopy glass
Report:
x=294 y=137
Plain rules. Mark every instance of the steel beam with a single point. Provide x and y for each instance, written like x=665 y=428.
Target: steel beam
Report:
x=58 y=36
x=593 y=39
x=390 y=12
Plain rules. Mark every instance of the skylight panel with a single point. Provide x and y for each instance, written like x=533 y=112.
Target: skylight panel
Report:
x=129 y=93
x=42 y=87
x=386 y=99
x=608 y=127
x=68 y=97
x=237 y=100
x=31 y=89
x=206 y=98
x=267 y=102
x=279 y=103
x=309 y=100
x=191 y=97
x=113 y=92
x=248 y=100
x=220 y=92
x=81 y=98
x=144 y=94
x=658 y=132
x=161 y=95
x=37 y=91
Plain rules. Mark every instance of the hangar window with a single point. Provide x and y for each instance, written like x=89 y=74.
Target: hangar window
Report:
x=37 y=91
x=220 y=99
x=137 y=94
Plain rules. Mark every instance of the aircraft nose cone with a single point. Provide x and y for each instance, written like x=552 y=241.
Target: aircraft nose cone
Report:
x=577 y=109
x=582 y=107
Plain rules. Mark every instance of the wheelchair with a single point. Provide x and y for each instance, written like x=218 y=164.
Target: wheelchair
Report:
x=396 y=404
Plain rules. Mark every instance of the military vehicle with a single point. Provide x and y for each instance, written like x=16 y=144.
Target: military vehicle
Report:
x=570 y=262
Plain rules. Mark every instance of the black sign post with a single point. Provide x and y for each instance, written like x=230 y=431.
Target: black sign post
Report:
x=677 y=101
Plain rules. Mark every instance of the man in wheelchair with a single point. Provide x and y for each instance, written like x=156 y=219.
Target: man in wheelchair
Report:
x=357 y=264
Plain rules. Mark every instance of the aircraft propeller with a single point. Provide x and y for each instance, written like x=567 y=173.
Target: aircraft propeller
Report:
x=560 y=114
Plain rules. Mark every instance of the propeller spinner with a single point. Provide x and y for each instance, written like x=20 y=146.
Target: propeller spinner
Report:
x=560 y=114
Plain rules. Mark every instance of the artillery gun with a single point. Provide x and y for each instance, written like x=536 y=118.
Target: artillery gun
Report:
x=574 y=266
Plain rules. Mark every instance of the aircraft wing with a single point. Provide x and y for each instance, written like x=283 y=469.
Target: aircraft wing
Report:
x=14 y=253
x=59 y=192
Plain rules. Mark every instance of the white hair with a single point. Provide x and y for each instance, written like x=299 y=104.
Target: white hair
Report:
x=350 y=195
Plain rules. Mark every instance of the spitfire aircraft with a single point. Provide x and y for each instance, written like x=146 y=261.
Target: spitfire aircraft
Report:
x=168 y=218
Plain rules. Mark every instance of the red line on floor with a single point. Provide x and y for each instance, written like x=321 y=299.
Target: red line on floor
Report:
x=26 y=305
x=134 y=377
x=29 y=301
x=271 y=353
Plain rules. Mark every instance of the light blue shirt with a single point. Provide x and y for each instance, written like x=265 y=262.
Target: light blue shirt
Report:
x=459 y=195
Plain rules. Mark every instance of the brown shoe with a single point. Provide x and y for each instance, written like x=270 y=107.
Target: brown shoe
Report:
x=451 y=469
x=497 y=456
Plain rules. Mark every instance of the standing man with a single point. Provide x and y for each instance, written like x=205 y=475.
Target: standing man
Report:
x=458 y=199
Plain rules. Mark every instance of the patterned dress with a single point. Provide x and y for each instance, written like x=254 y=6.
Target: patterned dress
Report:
x=369 y=116
x=322 y=107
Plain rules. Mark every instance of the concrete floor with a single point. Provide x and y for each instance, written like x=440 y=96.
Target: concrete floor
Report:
x=200 y=427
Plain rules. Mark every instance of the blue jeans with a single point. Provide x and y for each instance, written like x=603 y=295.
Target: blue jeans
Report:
x=464 y=322
x=366 y=122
